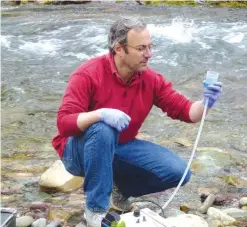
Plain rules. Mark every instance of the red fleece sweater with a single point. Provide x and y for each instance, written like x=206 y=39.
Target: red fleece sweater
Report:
x=95 y=85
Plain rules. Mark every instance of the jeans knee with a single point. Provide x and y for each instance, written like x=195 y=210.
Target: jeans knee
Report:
x=102 y=130
x=187 y=177
x=177 y=174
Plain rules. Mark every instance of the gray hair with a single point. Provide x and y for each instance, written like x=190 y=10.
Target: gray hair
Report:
x=119 y=31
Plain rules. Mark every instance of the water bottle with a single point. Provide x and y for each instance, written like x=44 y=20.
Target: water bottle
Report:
x=211 y=78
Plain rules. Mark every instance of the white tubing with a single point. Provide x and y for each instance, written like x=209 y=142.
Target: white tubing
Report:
x=191 y=157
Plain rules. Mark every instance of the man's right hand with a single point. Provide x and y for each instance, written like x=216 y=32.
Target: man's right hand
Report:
x=115 y=118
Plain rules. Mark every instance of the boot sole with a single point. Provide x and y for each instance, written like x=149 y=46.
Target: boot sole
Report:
x=113 y=207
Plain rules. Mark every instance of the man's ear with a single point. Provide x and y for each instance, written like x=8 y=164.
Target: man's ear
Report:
x=119 y=49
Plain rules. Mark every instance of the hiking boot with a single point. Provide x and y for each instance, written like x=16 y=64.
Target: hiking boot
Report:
x=119 y=202
x=94 y=219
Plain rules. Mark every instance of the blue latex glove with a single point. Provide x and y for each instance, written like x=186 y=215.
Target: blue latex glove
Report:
x=115 y=118
x=212 y=92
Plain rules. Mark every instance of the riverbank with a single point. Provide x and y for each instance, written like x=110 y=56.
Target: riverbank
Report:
x=213 y=3
x=63 y=204
x=43 y=44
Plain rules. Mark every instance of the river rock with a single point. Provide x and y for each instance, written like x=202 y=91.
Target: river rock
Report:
x=183 y=220
x=19 y=176
x=16 y=189
x=244 y=208
x=59 y=179
x=213 y=159
x=38 y=215
x=207 y=191
x=24 y=221
x=6 y=199
x=76 y=200
x=183 y=142
x=243 y=201
x=220 y=200
x=54 y=224
x=59 y=200
x=58 y=214
x=39 y=206
x=207 y=203
x=217 y=217
x=41 y=222
x=236 y=213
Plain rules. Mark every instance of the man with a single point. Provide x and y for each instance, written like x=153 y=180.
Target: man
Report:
x=105 y=103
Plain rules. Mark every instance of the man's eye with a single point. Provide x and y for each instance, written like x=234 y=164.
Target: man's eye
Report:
x=141 y=48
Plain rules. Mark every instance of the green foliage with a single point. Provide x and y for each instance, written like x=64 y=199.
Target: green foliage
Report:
x=121 y=224
x=24 y=2
x=180 y=3
x=169 y=2
x=153 y=3
x=233 y=4
x=114 y=224
x=47 y=2
x=118 y=224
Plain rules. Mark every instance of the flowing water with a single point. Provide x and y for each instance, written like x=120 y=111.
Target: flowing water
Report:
x=42 y=45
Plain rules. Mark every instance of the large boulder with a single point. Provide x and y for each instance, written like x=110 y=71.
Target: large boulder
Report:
x=57 y=178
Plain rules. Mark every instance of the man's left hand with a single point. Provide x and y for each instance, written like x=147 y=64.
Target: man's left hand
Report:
x=212 y=93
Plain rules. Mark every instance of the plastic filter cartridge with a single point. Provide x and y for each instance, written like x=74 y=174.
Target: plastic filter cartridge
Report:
x=211 y=78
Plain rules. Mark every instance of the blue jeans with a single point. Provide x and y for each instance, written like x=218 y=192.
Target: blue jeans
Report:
x=137 y=168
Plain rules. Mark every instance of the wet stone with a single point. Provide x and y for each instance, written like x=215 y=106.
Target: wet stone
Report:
x=6 y=199
x=54 y=224
x=40 y=215
x=244 y=208
x=220 y=200
x=238 y=214
x=59 y=179
x=58 y=214
x=243 y=201
x=217 y=217
x=207 y=191
x=16 y=189
x=207 y=203
x=41 y=222
x=39 y=206
x=24 y=221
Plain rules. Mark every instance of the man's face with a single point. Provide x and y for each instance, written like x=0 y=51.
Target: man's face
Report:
x=138 y=50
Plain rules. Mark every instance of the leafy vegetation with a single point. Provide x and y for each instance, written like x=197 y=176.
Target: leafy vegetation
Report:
x=118 y=224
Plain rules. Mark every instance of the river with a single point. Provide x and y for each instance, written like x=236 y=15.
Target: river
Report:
x=42 y=45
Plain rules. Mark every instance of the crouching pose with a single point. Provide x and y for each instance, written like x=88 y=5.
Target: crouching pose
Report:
x=105 y=103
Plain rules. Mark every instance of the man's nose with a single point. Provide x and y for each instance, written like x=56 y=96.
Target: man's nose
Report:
x=148 y=53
